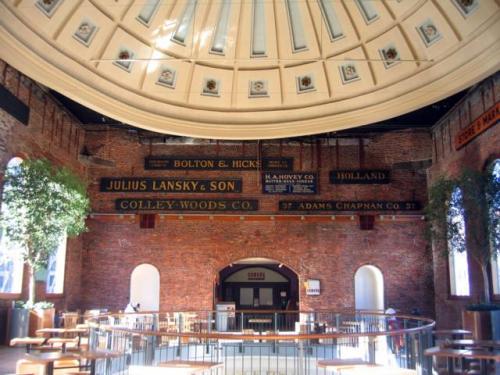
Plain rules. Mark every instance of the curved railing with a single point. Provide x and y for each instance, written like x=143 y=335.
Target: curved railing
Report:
x=263 y=342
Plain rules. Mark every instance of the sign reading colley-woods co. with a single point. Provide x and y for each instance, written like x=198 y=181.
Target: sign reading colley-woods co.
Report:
x=170 y=185
x=360 y=176
x=348 y=206
x=198 y=205
x=215 y=163
x=478 y=126
x=289 y=183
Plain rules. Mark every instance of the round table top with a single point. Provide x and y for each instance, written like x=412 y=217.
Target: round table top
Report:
x=48 y=357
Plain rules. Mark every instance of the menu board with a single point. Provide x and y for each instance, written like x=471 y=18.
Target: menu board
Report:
x=290 y=183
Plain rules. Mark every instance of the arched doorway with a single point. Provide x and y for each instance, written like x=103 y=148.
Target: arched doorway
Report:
x=260 y=285
x=145 y=287
x=369 y=288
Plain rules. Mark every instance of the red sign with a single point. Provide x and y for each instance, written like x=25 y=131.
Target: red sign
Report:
x=478 y=126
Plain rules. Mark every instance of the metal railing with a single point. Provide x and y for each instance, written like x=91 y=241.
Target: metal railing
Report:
x=262 y=342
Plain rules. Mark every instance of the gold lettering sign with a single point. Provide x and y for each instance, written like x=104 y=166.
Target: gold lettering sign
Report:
x=360 y=176
x=198 y=205
x=170 y=185
x=229 y=164
x=478 y=126
x=348 y=206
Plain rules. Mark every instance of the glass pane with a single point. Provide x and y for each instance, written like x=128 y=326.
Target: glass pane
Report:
x=266 y=296
x=246 y=296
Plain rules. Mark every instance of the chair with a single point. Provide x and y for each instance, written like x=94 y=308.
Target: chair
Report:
x=70 y=319
x=26 y=367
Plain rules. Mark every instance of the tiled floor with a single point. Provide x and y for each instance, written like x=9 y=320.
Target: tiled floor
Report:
x=8 y=359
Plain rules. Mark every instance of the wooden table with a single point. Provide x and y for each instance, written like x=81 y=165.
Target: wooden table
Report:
x=359 y=366
x=94 y=355
x=28 y=341
x=175 y=368
x=454 y=334
x=450 y=354
x=48 y=359
x=51 y=332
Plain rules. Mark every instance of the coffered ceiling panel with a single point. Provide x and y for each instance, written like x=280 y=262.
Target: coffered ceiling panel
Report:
x=235 y=69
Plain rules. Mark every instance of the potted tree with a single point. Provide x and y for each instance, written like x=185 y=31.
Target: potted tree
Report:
x=44 y=203
x=482 y=211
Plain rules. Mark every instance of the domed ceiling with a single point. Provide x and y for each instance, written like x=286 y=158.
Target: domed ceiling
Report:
x=255 y=68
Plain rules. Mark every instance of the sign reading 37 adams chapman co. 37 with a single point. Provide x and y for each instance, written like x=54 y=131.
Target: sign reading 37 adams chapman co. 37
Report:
x=170 y=185
x=216 y=163
x=347 y=206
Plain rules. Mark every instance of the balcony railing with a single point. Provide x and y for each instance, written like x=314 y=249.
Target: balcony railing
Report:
x=263 y=342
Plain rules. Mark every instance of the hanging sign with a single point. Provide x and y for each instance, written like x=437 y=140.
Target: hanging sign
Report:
x=290 y=183
x=360 y=176
x=170 y=185
x=199 y=205
x=478 y=126
x=227 y=164
x=348 y=206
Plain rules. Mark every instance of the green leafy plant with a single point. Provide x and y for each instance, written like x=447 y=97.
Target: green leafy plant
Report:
x=42 y=204
x=482 y=216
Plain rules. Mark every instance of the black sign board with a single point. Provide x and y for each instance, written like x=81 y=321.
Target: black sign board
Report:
x=348 y=206
x=225 y=164
x=360 y=176
x=170 y=185
x=14 y=106
x=198 y=205
x=289 y=183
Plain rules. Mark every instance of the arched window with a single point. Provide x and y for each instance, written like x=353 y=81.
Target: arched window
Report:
x=55 y=269
x=11 y=262
x=145 y=287
x=494 y=222
x=369 y=288
x=458 y=264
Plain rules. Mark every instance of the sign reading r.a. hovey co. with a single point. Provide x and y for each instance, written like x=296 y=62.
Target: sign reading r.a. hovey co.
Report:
x=170 y=185
x=289 y=183
x=360 y=176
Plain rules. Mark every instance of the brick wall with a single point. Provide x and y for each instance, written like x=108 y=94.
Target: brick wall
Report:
x=190 y=251
x=449 y=161
x=53 y=134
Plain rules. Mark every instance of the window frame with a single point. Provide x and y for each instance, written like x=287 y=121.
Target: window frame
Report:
x=452 y=279
x=13 y=161
x=494 y=282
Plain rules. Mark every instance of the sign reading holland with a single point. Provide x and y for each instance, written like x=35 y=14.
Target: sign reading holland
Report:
x=215 y=163
x=196 y=205
x=348 y=206
x=360 y=176
x=170 y=185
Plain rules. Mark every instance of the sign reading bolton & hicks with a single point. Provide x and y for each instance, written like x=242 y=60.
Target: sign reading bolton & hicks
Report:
x=228 y=164
x=170 y=185
x=479 y=125
x=203 y=205
x=289 y=183
x=360 y=176
x=348 y=206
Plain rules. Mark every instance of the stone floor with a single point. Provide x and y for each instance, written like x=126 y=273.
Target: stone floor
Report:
x=8 y=359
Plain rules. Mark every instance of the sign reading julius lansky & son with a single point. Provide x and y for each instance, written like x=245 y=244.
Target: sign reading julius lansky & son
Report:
x=214 y=163
x=170 y=185
x=289 y=183
x=360 y=176
x=348 y=206
x=197 y=205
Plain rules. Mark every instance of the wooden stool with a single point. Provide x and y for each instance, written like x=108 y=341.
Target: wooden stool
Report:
x=26 y=367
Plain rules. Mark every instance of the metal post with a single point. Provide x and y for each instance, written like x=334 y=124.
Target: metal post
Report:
x=371 y=349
